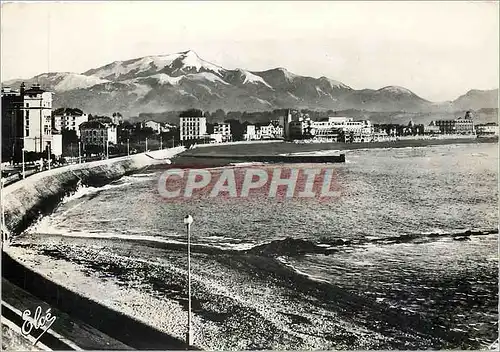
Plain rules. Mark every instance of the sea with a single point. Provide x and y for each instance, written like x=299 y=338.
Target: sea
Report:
x=405 y=257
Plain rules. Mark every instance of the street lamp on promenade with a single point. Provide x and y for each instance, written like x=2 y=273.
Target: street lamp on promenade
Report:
x=79 y=152
x=24 y=168
x=48 y=156
x=188 y=220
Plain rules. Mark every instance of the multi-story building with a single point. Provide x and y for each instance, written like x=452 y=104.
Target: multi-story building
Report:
x=27 y=122
x=157 y=127
x=464 y=126
x=297 y=129
x=487 y=130
x=285 y=121
x=333 y=129
x=192 y=128
x=224 y=129
x=431 y=128
x=457 y=126
x=271 y=131
x=69 y=119
x=251 y=133
x=97 y=133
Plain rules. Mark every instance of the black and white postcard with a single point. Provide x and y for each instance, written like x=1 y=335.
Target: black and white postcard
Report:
x=232 y=176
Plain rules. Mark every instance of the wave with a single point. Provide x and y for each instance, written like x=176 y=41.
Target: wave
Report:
x=83 y=191
x=298 y=247
x=142 y=175
x=280 y=248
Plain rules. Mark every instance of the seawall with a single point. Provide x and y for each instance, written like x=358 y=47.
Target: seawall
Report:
x=27 y=199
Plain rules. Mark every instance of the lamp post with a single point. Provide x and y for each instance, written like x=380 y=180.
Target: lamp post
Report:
x=79 y=152
x=24 y=169
x=188 y=220
x=146 y=145
x=48 y=155
x=4 y=234
x=128 y=146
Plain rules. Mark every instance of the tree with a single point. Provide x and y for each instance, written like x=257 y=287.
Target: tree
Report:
x=219 y=115
x=237 y=129
x=191 y=113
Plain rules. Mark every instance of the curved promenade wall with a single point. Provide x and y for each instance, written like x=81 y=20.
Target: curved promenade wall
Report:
x=26 y=199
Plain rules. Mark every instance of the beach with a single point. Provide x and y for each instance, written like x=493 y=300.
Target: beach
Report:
x=381 y=267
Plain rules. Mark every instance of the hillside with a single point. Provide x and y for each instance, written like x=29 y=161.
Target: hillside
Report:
x=183 y=80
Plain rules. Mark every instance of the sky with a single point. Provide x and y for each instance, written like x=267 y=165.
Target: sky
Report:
x=439 y=50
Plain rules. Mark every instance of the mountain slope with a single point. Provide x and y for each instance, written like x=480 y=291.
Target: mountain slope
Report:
x=184 y=80
x=477 y=99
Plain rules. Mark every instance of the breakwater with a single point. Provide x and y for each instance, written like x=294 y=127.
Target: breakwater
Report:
x=25 y=200
x=278 y=158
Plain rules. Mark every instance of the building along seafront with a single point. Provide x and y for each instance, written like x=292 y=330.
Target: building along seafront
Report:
x=98 y=134
x=27 y=123
x=192 y=128
x=157 y=127
x=335 y=129
x=222 y=132
x=460 y=126
x=487 y=130
x=69 y=119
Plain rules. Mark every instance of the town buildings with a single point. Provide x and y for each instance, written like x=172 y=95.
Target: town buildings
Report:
x=157 y=127
x=333 y=129
x=457 y=126
x=27 y=123
x=69 y=119
x=251 y=133
x=487 y=130
x=267 y=131
x=192 y=128
x=432 y=128
x=271 y=131
x=97 y=133
x=224 y=130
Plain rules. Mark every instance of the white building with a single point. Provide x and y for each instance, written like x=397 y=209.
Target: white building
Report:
x=27 y=121
x=251 y=133
x=98 y=133
x=69 y=119
x=192 y=128
x=431 y=128
x=157 y=127
x=270 y=131
x=486 y=130
x=224 y=129
x=216 y=138
x=37 y=119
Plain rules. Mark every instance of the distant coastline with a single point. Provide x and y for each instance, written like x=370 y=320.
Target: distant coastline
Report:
x=243 y=151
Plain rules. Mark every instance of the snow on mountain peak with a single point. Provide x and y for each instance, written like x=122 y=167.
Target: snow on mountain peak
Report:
x=290 y=76
x=205 y=76
x=163 y=78
x=249 y=77
x=334 y=83
x=183 y=62
x=76 y=81
x=190 y=59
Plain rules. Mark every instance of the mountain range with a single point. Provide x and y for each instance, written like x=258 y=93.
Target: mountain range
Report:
x=184 y=80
